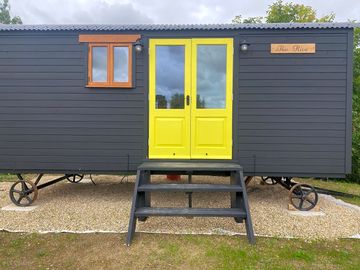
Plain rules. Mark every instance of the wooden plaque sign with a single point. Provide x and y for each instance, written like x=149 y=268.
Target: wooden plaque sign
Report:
x=293 y=48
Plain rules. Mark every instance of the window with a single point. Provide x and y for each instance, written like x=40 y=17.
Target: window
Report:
x=110 y=60
x=110 y=65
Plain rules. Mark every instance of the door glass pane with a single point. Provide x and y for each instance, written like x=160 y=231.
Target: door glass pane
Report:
x=99 y=64
x=121 y=64
x=170 y=70
x=211 y=76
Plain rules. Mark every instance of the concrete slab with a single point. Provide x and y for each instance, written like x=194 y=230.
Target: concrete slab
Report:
x=12 y=207
x=340 y=202
x=315 y=209
x=306 y=213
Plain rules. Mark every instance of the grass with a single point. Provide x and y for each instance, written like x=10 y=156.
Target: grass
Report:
x=159 y=251
x=8 y=177
x=351 y=188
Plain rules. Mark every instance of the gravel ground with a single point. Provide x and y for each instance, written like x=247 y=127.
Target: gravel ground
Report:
x=106 y=206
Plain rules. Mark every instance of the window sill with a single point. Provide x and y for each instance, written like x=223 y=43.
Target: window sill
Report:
x=108 y=86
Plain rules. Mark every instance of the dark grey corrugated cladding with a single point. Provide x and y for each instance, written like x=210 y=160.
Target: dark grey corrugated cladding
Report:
x=292 y=113
x=173 y=27
x=294 y=109
x=49 y=120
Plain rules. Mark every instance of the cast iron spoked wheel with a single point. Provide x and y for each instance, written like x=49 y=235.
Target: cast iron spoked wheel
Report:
x=303 y=197
x=269 y=180
x=75 y=178
x=23 y=193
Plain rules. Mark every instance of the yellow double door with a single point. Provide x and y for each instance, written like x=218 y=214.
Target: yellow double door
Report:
x=190 y=98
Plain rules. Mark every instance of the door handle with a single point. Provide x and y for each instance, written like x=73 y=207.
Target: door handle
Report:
x=187 y=100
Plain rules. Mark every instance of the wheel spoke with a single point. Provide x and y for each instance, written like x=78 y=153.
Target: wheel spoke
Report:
x=28 y=199
x=26 y=187
x=23 y=186
x=17 y=191
x=301 y=203
x=309 y=201
x=20 y=199
x=297 y=196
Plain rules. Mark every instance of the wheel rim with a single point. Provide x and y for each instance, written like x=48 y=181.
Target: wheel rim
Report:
x=23 y=193
x=269 y=180
x=75 y=178
x=303 y=197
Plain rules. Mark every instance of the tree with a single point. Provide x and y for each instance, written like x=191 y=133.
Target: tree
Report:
x=285 y=13
x=290 y=12
x=200 y=103
x=356 y=67
x=161 y=102
x=355 y=175
x=177 y=101
x=239 y=19
x=5 y=16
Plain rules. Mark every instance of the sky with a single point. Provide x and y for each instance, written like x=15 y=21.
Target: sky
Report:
x=162 y=11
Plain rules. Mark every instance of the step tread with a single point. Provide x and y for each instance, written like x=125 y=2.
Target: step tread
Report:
x=189 y=166
x=190 y=187
x=202 y=212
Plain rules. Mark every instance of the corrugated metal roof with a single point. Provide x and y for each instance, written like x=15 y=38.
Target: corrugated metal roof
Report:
x=156 y=27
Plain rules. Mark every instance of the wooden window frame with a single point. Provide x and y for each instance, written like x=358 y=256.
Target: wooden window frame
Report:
x=110 y=83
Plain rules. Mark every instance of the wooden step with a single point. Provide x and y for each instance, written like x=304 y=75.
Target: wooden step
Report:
x=191 y=187
x=184 y=212
x=190 y=166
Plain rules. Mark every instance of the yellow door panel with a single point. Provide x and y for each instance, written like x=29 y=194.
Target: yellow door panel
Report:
x=169 y=84
x=190 y=98
x=174 y=126
x=211 y=108
x=210 y=132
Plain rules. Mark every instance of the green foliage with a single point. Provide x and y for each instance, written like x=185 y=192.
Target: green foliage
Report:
x=356 y=67
x=239 y=19
x=161 y=102
x=285 y=13
x=177 y=101
x=5 y=16
x=290 y=12
x=355 y=174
